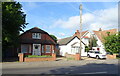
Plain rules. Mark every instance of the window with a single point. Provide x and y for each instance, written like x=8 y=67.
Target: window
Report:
x=47 y=48
x=97 y=52
x=75 y=49
x=42 y=48
x=36 y=35
x=24 y=48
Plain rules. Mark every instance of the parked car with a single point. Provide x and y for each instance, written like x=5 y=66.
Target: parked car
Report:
x=96 y=54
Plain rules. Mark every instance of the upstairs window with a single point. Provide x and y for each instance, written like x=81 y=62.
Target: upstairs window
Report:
x=36 y=35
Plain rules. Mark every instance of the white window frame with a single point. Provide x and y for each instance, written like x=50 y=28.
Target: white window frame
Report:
x=36 y=35
x=43 y=46
x=46 y=49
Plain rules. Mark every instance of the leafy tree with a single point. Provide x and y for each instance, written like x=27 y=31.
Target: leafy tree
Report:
x=92 y=42
x=112 y=43
x=54 y=37
x=13 y=21
x=86 y=48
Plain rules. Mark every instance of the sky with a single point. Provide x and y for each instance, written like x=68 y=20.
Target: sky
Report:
x=62 y=19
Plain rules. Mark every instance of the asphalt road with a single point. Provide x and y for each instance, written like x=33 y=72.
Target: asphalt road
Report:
x=62 y=67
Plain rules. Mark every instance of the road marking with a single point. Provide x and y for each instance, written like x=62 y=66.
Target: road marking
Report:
x=95 y=73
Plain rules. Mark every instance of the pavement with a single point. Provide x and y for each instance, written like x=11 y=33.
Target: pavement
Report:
x=109 y=66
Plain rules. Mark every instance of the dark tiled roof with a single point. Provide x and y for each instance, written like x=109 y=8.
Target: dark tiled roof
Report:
x=65 y=41
x=36 y=30
x=36 y=41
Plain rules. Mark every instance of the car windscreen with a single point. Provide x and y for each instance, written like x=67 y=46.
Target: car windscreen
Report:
x=97 y=52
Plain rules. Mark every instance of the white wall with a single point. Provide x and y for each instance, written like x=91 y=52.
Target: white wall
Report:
x=85 y=40
x=100 y=45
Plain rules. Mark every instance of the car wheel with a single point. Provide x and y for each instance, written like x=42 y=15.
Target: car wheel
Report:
x=88 y=56
x=97 y=57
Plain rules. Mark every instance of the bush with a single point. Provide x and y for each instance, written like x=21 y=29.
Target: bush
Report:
x=86 y=48
x=38 y=56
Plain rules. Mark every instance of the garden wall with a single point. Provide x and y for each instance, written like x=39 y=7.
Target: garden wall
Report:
x=76 y=56
x=28 y=59
x=111 y=56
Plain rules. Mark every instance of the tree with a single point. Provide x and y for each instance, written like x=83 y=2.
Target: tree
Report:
x=54 y=37
x=112 y=43
x=86 y=48
x=92 y=42
x=13 y=21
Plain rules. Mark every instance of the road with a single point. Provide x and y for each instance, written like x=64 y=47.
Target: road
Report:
x=62 y=67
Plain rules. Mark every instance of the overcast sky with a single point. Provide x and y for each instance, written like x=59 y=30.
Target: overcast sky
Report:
x=62 y=18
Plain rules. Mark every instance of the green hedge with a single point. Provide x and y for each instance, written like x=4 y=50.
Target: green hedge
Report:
x=37 y=56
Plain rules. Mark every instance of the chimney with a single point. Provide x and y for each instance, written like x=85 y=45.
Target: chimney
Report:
x=77 y=33
x=100 y=29
x=36 y=27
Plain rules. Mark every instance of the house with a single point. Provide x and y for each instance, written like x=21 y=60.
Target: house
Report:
x=99 y=35
x=36 y=42
x=71 y=44
x=85 y=36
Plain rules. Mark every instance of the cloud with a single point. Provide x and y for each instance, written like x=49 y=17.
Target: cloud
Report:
x=62 y=34
x=104 y=18
x=30 y=6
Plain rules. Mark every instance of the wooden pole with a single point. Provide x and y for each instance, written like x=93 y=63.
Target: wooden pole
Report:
x=80 y=29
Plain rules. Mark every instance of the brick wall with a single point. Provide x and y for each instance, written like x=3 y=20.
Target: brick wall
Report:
x=76 y=56
x=26 y=59
x=111 y=56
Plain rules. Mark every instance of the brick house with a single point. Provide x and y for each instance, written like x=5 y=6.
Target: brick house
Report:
x=36 y=42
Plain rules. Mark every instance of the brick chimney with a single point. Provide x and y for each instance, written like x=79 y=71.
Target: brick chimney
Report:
x=77 y=33
x=100 y=29
x=36 y=27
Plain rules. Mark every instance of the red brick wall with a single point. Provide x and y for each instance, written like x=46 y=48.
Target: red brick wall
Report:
x=76 y=56
x=38 y=59
x=26 y=59
x=111 y=56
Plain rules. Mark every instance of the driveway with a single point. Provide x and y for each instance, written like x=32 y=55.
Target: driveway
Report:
x=62 y=67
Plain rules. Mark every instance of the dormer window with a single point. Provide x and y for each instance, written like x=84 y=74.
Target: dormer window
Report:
x=36 y=35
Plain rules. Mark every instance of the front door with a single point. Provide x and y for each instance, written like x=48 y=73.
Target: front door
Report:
x=36 y=49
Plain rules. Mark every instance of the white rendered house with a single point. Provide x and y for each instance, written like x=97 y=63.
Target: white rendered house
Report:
x=71 y=45
x=99 y=35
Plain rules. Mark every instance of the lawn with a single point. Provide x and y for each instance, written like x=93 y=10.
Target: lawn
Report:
x=70 y=58
x=38 y=56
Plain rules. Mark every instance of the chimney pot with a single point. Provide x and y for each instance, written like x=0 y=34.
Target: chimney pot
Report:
x=100 y=29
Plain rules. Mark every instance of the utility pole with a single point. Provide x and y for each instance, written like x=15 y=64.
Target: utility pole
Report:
x=80 y=29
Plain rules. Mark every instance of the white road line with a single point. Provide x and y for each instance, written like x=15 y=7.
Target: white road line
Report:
x=95 y=73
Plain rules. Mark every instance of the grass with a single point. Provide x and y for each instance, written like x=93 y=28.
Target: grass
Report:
x=70 y=58
x=117 y=57
x=38 y=56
